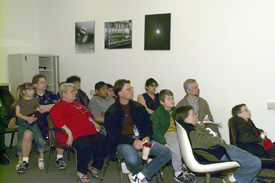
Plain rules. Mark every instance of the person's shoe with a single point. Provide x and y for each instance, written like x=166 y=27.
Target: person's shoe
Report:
x=4 y=159
x=226 y=180
x=23 y=167
x=41 y=163
x=185 y=177
x=124 y=168
x=135 y=179
x=18 y=165
x=185 y=169
x=60 y=163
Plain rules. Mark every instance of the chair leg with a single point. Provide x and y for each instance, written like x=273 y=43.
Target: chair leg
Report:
x=75 y=165
x=207 y=177
x=12 y=137
x=105 y=166
x=49 y=160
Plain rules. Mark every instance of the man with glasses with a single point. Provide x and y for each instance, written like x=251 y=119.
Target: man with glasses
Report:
x=128 y=128
x=46 y=100
x=249 y=136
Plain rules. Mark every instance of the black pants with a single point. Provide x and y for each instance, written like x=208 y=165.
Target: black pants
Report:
x=88 y=146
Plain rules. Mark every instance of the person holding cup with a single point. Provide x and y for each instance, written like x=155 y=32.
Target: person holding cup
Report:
x=165 y=132
x=249 y=135
x=129 y=128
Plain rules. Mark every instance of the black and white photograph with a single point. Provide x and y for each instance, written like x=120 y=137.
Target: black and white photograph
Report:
x=157 y=32
x=84 y=37
x=118 y=34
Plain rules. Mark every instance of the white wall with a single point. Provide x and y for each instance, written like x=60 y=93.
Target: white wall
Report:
x=19 y=30
x=228 y=46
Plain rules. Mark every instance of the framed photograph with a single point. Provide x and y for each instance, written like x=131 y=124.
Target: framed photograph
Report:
x=157 y=32
x=118 y=34
x=84 y=37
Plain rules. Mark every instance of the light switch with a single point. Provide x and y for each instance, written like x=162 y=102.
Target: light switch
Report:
x=271 y=105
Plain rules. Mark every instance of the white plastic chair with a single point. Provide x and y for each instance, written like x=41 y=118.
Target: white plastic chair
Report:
x=193 y=164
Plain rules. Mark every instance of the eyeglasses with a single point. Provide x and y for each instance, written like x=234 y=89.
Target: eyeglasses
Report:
x=129 y=89
x=43 y=82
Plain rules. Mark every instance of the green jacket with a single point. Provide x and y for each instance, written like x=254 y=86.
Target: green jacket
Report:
x=204 y=144
x=161 y=123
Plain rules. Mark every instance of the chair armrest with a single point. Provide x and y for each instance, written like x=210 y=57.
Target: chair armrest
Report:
x=58 y=129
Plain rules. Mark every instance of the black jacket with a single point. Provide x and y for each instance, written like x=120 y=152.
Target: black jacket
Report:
x=113 y=120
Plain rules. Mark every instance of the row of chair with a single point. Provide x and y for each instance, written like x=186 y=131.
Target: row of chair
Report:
x=186 y=150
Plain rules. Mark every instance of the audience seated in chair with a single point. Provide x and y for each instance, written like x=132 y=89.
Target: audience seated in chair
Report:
x=165 y=132
x=46 y=100
x=200 y=105
x=249 y=137
x=150 y=99
x=208 y=146
x=7 y=119
x=80 y=95
x=100 y=102
x=128 y=127
x=82 y=132
x=27 y=109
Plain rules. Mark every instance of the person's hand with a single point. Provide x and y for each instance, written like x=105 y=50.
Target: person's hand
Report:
x=202 y=124
x=138 y=144
x=70 y=140
x=147 y=139
x=97 y=126
x=12 y=124
x=216 y=134
x=166 y=145
x=206 y=119
x=31 y=119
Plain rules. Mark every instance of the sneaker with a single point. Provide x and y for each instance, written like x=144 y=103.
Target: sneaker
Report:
x=18 y=165
x=226 y=180
x=60 y=163
x=185 y=169
x=41 y=163
x=135 y=179
x=185 y=177
x=124 y=168
x=23 y=167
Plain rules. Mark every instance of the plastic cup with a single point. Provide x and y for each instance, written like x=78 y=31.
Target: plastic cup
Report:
x=146 y=150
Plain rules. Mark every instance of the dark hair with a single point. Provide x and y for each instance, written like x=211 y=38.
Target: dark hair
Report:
x=149 y=82
x=73 y=79
x=99 y=85
x=109 y=85
x=181 y=114
x=237 y=109
x=164 y=93
x=36 y=78
x=119 y=85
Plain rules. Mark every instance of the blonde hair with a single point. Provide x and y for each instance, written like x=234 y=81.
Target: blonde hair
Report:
x=20 y=89
x=63 y=88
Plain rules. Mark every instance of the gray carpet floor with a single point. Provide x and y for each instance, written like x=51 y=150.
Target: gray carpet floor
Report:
x=8 y=173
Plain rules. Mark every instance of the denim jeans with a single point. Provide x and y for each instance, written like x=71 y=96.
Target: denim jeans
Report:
x=38 y=138
x=250 y=164
x=160 y=153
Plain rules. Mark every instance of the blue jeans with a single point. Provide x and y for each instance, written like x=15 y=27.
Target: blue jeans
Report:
x=161 y=156
x=250 y=164
x=38 y=138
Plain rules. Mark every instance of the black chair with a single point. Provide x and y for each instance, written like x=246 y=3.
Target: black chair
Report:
x=267 y=162
x=12 y=131
x=54 y=144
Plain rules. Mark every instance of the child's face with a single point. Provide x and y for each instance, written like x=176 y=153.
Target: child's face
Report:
x=245 y=113
x=168 y=102
x=110 y=92
x=191 y=119
x=28 y=92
